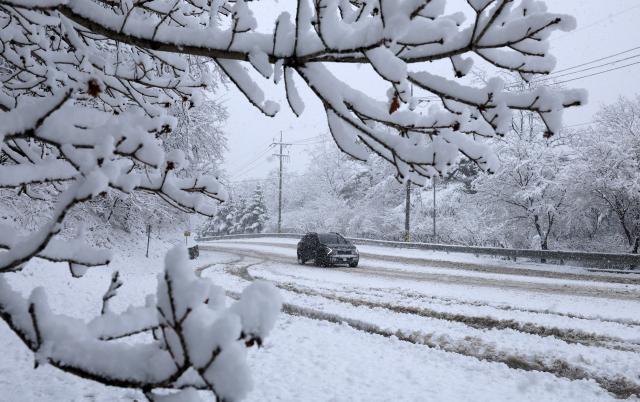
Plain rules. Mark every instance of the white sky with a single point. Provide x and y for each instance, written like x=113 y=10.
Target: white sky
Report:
x=605 y=27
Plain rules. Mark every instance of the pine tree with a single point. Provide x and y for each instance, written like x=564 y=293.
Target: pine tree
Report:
x=224 y=222
x=256 y=214
x=238 y=223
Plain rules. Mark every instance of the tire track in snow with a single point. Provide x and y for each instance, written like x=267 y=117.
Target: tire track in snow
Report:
x=453 y=301
x=198 y=270
x=477 y=322
x=471 y=346
x=621 y=294
x=448 y=301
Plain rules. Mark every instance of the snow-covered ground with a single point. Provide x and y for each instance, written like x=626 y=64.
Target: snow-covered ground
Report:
x=521 y=323
x=405 y=325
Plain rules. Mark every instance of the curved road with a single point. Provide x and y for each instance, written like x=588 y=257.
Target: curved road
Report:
x=625 y=288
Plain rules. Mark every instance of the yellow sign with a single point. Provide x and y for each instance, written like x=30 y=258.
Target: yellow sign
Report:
x=187 y=233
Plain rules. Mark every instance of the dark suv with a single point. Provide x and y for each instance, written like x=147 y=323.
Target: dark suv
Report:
x=327 y=249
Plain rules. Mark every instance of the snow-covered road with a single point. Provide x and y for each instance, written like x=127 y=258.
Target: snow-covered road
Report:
x=538 y=332
x=418 y=265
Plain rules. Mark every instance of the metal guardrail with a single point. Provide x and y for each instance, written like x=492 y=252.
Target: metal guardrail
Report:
x=556 y=255
x=250 y=236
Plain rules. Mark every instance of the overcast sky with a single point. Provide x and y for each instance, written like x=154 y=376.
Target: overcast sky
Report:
x=604 y=28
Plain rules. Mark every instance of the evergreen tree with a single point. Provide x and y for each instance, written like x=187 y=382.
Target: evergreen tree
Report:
x=255 y=215
x=224 y=222
x=238 y=223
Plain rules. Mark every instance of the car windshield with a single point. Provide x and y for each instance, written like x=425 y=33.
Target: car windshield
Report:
x=332 y=238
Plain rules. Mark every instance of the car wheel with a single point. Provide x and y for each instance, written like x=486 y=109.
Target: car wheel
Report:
x=301 y=261
x=353 y=264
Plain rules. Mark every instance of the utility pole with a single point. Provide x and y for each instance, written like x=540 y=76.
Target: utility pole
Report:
x=433 y=180
x=148 y=239
x=407 y=213
x=281 y=155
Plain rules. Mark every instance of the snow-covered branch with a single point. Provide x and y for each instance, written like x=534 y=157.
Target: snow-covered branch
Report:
x=197 y=331
x=388 y=36
x=93 y=151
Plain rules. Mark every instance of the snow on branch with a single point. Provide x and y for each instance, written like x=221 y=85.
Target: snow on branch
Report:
x=389 y=36
x=91 y=152
x=197 y=331
x=58 y=250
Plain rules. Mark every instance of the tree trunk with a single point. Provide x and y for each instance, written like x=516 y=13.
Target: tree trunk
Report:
x=544 y=246
x=623 y=223
x=543 y=239
x=407 y=213
x=635 y=250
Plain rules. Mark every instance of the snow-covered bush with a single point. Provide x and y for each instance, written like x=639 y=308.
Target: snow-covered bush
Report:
x=85 y=86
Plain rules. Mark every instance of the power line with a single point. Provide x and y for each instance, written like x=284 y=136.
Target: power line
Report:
x=252 y=180
x=554 y=75
x=251 y=165
x=314 y=142
x=304 y=140
x=543 y=81
x=580 y=124
x=289 y=176
x=247 y=168
x=256 y=155
x=253 y=162
x=596 y=60
x=598 y=73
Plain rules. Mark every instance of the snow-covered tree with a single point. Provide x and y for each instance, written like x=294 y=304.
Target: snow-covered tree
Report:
x=529 y=188
x=242 y=214
x=607 y=172
x=224 y=221
x=255 y=214
x=240 y=209
x=84 y=92
x=199 y=135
